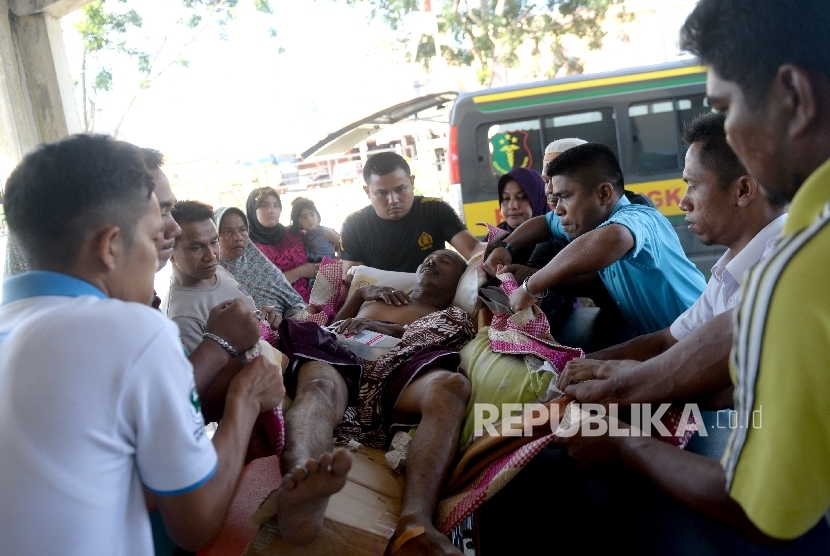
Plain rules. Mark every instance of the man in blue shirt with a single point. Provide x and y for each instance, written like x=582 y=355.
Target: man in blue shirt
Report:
x=633 y=247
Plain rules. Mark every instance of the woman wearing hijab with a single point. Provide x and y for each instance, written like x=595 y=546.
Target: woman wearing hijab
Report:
x=261 y=279
x=521 y=197
x=280 y=246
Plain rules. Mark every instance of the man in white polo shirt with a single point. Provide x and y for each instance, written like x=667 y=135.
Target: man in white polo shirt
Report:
x=724 y=206
x=97 y=399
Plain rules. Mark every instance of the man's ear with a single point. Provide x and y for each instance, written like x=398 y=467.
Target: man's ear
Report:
x=366 y=189
x=801 y=97
x=108 y=246
x=605 y=193
x=746 y=190
x=412 y=181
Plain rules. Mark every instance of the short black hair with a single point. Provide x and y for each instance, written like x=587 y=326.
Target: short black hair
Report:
x=152 y=158
x=746 y=41
x=63 y=191
x=715 y=153
x=298 y=205
x=384 y=163
x=186 y=212
x=595 y=162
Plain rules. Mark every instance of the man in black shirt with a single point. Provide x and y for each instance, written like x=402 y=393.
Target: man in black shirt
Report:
x=399 y=228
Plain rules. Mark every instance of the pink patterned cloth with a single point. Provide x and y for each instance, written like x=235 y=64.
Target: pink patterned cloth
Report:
x=289 y=254
x=493 y=232
x=328 y=295
x=521 y=333
x=453 y=509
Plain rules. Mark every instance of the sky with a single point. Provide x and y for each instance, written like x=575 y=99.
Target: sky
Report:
x=240 y=98
x=241 y=94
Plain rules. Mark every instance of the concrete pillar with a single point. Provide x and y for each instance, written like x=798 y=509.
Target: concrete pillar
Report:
x=43 y=57
x=17 y=126
x=37 y=101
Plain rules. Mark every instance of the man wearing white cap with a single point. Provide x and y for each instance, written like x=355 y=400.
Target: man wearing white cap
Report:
x=559 y=146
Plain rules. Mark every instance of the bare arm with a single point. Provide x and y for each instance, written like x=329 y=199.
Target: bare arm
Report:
x=520 y=271
x=307 y=270
x=332 y=237
x=466 y=244
x=530 y=232
x=588 y=253
x=358 y=297
x=207 y=359
x=695 y=367
x=639 y=348
x=194 y=518
x=234 y=322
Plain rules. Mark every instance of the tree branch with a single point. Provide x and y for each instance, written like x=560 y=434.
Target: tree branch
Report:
x=150 y=79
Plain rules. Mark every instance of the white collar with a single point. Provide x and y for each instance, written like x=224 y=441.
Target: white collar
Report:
x=739 y=264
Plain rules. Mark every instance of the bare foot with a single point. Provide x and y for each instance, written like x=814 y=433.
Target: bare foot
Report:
x=431 y=542
x=304 y=495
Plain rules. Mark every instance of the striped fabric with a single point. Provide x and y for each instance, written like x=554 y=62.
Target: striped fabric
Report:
x=750 y=323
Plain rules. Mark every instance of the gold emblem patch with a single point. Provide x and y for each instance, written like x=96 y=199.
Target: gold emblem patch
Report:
x=425 y=241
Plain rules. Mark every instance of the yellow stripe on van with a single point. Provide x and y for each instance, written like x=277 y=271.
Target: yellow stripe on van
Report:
x=665 y=194
x=485 y=211
x=589 y=83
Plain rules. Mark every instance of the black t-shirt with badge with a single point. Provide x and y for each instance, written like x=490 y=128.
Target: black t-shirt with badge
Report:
x=399 y=245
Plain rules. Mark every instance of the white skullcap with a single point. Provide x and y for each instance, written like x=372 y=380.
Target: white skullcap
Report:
x=563 y=145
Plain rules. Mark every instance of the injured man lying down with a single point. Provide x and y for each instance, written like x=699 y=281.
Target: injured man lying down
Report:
x=337 y=394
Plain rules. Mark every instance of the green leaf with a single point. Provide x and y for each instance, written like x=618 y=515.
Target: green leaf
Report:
x=102 y=81
x=144 y=63
x=263 y=6
x=489 y=38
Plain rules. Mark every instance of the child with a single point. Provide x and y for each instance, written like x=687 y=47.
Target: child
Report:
x=319 y=241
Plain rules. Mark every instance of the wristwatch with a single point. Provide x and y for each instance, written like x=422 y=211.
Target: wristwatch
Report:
x=532 y=295
x=502 y=243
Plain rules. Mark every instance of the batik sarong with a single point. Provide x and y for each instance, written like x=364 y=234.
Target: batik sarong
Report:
x=430 y=342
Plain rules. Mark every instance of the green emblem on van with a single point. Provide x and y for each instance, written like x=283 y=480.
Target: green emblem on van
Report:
x=510 y=151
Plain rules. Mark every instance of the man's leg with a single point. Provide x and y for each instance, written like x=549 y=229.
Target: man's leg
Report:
x=440 y=397
x=312 y=472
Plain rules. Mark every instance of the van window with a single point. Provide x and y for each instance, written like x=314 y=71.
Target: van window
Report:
x=514 y=145
x=521 y=144
x=688 y=109
x=595 y=126
x=656 y=129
